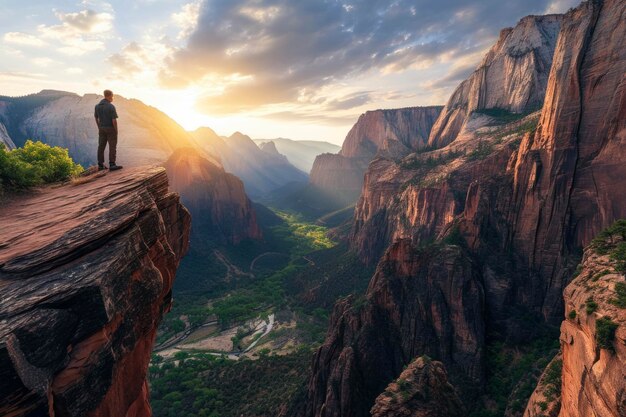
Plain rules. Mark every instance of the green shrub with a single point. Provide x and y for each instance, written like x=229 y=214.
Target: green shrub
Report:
x=572 y=314
x=606 y=240
x=482 y=151
x=34 y=164
x=619 y=255
x=590 y=306
x=620 y=291
x=605 y=333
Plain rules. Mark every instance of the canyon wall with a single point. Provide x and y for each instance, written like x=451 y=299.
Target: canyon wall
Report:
x=590 y=376
x=86 y=272
x=518 y=196
x=512 y=76
x=395 y=133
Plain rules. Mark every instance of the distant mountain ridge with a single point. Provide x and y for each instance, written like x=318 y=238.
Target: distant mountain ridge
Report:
x=301 y=153
x=261 y=171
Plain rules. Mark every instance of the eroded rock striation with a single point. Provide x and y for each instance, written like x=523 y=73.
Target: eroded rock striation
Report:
x=512 y=76
x=394 y=132
x=593 y=334
x=86 y=273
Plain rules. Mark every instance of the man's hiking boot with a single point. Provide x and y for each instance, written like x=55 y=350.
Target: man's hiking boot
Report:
x=114 y=167
x=101 y=167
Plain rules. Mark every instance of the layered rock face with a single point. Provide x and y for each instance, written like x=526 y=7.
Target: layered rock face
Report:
x=217 y=200
x=340 y=177
x=566 y=175
x=420 y=301
x=592 y=372
x=512 y=76
x=379 y=129
x=86 y=273
x=422 y=390
x=593 y=339
x=262 y=172
x=522 y=197
x=146 y=135
x=394 y=132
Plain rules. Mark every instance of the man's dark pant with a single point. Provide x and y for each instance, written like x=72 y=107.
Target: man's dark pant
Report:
x=107 y=135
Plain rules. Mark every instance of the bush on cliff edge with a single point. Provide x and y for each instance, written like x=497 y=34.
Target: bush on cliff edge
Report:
x=35 y=164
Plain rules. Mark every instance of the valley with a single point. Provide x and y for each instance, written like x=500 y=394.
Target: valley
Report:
x=267 y=315
x=458 y=260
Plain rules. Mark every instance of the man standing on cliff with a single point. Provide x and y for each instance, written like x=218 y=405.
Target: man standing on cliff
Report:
x=106 y=119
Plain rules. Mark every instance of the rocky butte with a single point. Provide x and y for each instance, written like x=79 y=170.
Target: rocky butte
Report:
x=86 y=274
x=484 y=228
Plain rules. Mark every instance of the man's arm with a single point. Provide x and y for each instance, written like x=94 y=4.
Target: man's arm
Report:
x=114 y=117
x=95 y=116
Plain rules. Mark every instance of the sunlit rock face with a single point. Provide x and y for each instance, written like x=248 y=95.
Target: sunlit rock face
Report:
x=512 y=76
x=146 y=135
x=86 y=273
x=395 y=132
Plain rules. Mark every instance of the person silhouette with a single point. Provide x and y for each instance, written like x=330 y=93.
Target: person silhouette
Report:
x=106 y=120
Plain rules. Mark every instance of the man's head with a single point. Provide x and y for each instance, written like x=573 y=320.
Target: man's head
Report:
x=108 y=95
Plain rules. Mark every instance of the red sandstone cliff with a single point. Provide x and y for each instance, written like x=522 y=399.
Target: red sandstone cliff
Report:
x=86 y=273
x=420 y=301
x=220 y=207
x=523 y=198
x=395 y=132
x=592 y=374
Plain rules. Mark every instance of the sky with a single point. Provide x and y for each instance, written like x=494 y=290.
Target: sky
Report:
x=302 y=69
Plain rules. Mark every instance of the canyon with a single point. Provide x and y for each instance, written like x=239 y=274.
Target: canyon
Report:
x=519 y=174
x=86 y=271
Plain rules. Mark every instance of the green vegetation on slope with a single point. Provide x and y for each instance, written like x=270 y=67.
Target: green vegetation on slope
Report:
x=35 y=164
x=209 y=386
x=513 y=370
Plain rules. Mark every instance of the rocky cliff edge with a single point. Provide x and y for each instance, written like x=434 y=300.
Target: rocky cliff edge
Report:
x=86 y=273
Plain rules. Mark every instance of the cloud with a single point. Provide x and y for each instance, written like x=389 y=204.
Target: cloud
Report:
x=85 y=21
x=79 y=32
x=560 y=6
x=282 y=50
x=311 y=118
x=21 y=38
x=129 y=61
x=187 y=18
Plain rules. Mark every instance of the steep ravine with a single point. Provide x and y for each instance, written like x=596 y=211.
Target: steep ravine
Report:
x=86 y=272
